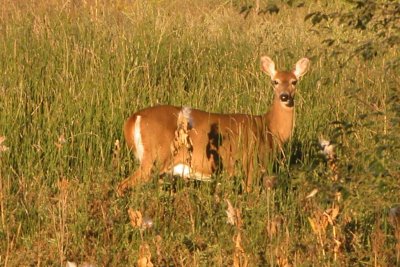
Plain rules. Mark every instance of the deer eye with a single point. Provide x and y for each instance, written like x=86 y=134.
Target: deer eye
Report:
x=294 y=82
x=275 y=82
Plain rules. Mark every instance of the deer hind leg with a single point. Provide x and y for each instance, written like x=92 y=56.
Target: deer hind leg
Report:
x=134 y=138
x=251 y=168
x=141 y=175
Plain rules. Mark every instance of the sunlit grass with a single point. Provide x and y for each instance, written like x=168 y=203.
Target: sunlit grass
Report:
x=72 y=72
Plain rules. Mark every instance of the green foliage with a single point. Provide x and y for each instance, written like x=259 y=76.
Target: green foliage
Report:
x=368 y=28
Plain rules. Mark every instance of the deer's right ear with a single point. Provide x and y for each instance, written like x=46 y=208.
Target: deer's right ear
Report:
x=268 y=66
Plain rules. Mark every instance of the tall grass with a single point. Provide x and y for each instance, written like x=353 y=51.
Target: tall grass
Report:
x=72 y=72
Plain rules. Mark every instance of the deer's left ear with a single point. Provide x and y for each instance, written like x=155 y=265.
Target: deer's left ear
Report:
x=301 y=67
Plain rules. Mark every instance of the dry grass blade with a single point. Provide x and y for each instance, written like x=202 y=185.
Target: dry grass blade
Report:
x=116 y=153
x=269 y=182
x=240 y=259
x=283 y=262
x=394 y=217
x=2 y=139
x=230 y=212
x=331 y=214
x=273 y=226
x=312 y=193
x=377 y=241
x=337 y=246
x=314 y=225
x=158 y=243
x=83 y=264
x=319 y=224
x=234 y=215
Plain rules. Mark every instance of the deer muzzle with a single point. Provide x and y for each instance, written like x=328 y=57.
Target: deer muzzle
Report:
x=287 y=99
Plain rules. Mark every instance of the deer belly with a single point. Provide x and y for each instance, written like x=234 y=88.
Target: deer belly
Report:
x=186 y=171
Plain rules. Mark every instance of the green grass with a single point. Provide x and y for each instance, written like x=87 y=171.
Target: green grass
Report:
x=72 y=72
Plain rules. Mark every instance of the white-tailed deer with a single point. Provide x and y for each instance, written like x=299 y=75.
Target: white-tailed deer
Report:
x=196 y=144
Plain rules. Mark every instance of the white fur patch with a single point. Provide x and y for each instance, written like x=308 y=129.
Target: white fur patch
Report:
x=186 y=172
x=283 y=105
x=186 y=112
x=181 y=170
x=137 y=138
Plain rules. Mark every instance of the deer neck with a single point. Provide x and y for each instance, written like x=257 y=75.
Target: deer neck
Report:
x=280 y=121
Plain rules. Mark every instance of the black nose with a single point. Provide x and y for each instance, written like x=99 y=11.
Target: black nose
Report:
x=290 y=103
x=284 y=97
x=287 y=99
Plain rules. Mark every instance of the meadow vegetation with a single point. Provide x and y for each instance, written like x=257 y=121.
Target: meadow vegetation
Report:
x=72 y=71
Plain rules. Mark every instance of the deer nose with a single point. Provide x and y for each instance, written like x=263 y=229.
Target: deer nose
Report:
x=287 y=99
x=284 y=97
x=290 y=103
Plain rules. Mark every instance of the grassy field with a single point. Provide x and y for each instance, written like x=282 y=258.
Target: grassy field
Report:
x=71 y=72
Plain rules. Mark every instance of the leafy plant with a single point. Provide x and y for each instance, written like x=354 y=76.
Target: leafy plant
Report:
x=366 y=29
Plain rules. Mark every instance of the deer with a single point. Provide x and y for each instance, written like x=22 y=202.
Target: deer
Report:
x=197 y=144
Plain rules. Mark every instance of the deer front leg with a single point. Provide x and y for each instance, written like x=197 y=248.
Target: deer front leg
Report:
x=248 y=170
x=254 y=168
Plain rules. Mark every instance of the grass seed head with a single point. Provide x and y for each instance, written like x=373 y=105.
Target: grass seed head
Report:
x=234 y=216
x=60 y=141
x=3 y=148
x=144 y=256
x=230 y=212
x=270 y=182
x=318 y=223
x=331 y=214
x=138 y=221
x=273 y=226
x=136 y=218
x=71 y=264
